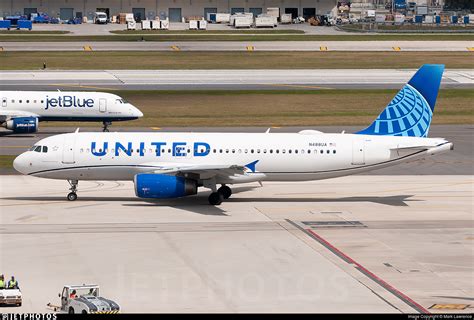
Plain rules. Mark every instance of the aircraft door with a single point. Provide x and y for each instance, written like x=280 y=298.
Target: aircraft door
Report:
x=4 y=102
x=68 y=150
x=103 y=105
x=358 y=151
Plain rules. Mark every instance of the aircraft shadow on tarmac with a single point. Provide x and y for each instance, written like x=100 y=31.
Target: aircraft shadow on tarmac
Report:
x=199 y=204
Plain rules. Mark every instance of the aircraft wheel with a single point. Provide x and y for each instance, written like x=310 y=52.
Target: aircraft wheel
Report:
x=72 y=196
x=225 y=191
x=215 y=198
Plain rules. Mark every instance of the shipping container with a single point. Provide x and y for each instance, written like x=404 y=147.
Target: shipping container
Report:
x=193 y=24
x=146 y=24
x=265 y=21
x=24 y=24
x=5 y=24
x=285 y=18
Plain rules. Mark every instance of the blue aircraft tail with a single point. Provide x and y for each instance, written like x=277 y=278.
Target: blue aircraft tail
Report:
x=410 y=112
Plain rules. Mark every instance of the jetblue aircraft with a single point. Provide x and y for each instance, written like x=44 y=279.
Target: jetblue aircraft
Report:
x=169 y=165
x=20 y=111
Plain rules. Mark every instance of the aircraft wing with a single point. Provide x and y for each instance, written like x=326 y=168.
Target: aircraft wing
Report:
x=9 y=114
x=202 y=171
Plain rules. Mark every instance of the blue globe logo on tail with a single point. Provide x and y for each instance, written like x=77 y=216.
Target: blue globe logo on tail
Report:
x=411 y=110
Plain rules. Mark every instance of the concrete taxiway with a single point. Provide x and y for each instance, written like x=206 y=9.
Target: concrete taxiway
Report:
x=221 y=79
x=352 y=244
x=397 y=45
x=460 y=161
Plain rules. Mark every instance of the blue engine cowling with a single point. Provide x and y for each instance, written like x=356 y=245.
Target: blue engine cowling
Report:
x=22 y=125
x=161 y=186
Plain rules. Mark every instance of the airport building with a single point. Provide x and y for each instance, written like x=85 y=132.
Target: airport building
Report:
x=149 y=9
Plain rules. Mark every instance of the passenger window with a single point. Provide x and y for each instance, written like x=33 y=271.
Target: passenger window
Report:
x=327 y=151
x=21 y=101
x=214 y=151
x=251 y=151
x=334 y=151
x=13 y=101
x=233 y=150
x=289 y=151
x=271 y=150
x=277 y=151
x=322 y=151
x=82 y=150
x=258 y=150
x=296 y=151
x=264 y=150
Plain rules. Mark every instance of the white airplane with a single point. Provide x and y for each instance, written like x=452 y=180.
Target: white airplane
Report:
x=169 y=165
x=20 y=111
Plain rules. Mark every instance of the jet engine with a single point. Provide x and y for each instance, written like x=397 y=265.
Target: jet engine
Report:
x=162 y=186
x=22 y=125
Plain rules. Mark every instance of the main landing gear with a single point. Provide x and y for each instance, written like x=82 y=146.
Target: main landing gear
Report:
x=106 y=124
x=72 y=195
x=218 y=196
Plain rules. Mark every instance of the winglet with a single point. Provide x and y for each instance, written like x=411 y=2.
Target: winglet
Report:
x=251 y=166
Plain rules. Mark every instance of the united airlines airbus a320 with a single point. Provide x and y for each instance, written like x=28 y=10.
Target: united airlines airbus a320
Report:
x=20 y=111
x=170 y=165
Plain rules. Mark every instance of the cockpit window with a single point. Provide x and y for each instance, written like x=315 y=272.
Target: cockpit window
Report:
x=32 y=148
x=38 y=149
x=45 y=149
x=121 y=101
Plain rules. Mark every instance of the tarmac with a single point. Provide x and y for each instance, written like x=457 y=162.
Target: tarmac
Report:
x=221 y=79
x=385 y=244
x=391 y=45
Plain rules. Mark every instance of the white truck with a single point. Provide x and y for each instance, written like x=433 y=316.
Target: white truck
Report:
x=100 y=18
x=10 y=297
x=84 y=299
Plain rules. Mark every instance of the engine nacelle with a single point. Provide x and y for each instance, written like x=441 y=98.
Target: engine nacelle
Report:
x=22 y=125
x=162 y=186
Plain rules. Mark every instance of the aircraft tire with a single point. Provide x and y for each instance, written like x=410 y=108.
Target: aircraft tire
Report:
x=215 y=198
x=72 y=196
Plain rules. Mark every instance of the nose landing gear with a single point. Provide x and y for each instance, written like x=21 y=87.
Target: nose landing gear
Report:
x=106 y=124
x=72 y=195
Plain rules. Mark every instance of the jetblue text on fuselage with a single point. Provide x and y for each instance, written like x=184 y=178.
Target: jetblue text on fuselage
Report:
x=68 y=102
x=178 y=149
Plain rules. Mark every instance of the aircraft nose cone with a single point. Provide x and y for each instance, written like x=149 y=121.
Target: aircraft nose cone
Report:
x=21 y=164
x=138 y=113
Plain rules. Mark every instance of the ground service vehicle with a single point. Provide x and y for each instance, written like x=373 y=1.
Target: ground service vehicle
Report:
x=10 y=297
x=84 y=299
